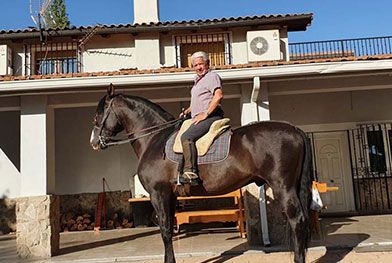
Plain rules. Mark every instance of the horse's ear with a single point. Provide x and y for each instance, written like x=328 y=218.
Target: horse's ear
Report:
x=111 y=90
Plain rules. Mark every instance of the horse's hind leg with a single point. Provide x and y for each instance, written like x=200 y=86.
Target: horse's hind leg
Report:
x=164 y=205
x=296 y=219
x=299 y=227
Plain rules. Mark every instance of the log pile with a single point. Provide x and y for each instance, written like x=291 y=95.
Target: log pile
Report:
x=71 y=222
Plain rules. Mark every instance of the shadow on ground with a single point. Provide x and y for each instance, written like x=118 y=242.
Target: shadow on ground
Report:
x=105 y=242
x=226 y=256
x=338 y=245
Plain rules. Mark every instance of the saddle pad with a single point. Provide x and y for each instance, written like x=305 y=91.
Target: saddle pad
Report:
x=218 y=151
x=204 y=143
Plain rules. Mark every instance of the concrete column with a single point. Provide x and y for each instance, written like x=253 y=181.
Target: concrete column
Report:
x=37 y=212
x=255 y=108
x=36 y=146
x=254 y=100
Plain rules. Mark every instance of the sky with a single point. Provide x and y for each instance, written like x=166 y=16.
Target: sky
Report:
x=332 y=19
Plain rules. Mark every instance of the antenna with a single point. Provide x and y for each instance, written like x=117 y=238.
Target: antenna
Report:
x=38 y=13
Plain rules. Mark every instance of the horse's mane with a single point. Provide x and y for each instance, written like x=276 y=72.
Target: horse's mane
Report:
x=142 y=102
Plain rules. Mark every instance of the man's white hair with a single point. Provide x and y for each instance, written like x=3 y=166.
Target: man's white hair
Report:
x=200 y=54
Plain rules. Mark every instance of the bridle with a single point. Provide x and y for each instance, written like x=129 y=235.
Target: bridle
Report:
x=107 y=141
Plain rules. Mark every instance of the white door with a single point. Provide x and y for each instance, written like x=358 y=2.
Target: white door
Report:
x=333 y=167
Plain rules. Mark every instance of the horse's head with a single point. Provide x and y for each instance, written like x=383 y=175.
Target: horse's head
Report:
x=106 y=122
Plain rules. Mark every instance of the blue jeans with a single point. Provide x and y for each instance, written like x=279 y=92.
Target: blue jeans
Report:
x=197 y=131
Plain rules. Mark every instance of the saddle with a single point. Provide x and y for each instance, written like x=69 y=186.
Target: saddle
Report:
x=204 y=143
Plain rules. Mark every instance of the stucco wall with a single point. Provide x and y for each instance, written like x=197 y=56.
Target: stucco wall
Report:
x=10 y=154
x=322 y=108
x=79 y=169
x=108 y=54
x=239 y=47
x=168 y=51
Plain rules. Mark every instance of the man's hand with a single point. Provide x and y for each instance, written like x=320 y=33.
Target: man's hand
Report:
x=185 y=112
x=199 y=117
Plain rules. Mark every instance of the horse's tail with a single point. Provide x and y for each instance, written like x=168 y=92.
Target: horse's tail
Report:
x=305 y=186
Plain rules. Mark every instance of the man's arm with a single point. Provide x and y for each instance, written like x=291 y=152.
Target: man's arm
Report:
x=216 y=100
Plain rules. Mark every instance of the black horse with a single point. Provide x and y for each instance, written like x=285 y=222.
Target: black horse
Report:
x=271 y=152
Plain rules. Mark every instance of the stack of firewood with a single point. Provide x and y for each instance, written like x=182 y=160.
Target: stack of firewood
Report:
x=115 y=222
x=72 y=222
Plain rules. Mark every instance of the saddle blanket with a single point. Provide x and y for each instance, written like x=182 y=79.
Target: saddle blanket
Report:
x=218 y=151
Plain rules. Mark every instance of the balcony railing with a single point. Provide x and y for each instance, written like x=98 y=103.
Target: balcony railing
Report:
x=341 y=48
x=217 y=45
x=52 y=58
x=65 y=57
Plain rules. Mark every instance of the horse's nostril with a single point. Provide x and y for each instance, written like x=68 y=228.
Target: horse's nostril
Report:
x=95 y=147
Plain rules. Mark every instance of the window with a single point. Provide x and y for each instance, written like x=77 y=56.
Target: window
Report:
x=53 y=58
x=376 y=151
x=56 y=63
x=216 y=45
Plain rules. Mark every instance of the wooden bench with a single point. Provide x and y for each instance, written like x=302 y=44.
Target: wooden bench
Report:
x=232 y=214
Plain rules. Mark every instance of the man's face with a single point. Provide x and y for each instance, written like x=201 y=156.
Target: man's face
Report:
x=200 y=66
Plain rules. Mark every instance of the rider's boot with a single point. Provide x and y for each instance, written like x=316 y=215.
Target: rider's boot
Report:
x=190 y=174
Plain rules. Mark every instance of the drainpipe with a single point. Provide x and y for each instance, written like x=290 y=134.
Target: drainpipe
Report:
x=262 y=199
x=255 y=95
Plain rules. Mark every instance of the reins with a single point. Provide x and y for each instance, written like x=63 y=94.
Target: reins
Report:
x=134 y=138
x=133 y=135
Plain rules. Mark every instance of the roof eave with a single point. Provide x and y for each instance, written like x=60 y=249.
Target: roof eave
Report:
x=293 y=23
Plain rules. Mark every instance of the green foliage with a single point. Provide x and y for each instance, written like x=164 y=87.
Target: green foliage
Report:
x=57 y=16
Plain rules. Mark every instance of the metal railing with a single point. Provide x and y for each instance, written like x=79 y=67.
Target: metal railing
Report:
x=65 y=57
x=371 y=162
x=217 y=45
x=52 y=58
x=341 y=48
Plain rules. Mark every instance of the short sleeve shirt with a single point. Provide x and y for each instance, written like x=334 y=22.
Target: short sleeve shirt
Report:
x=203 y=91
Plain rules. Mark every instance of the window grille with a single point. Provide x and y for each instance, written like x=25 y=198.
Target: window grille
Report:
x=217 y=45
x=371 y=162
x=53 y=58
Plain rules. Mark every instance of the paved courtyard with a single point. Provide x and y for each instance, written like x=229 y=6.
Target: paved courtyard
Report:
x=348 y=239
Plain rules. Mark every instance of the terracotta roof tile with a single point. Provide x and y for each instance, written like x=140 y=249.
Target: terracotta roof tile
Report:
x=294 y=22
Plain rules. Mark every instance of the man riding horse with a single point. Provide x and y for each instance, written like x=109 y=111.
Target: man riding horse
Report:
x=205 y=108
x=272 y=152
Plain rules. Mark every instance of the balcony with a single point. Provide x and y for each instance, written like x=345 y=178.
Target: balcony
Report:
x=52 y=58
x=66 y=57
x=359 y=47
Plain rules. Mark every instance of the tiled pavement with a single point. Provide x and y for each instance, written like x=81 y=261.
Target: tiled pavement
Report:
x=346 y=239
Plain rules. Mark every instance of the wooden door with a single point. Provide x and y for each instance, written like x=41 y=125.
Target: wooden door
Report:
x=333 y=167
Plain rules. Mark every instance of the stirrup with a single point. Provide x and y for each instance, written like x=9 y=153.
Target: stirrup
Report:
x=189 y=177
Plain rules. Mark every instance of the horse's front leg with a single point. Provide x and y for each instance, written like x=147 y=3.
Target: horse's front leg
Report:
x=164 y=204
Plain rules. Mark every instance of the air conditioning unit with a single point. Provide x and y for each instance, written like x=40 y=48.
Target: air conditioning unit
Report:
x=263 y=45
x=5 y=60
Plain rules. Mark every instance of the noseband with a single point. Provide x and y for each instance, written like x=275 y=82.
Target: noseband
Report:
x=104 y=140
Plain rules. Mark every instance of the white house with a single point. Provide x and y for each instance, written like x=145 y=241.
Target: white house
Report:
x=337 y=91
